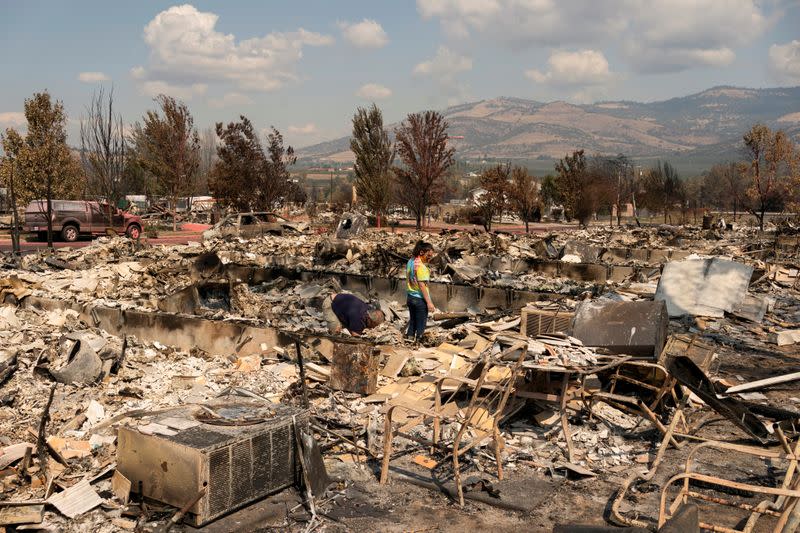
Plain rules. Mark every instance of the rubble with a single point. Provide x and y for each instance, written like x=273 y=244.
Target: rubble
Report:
x=520 y=314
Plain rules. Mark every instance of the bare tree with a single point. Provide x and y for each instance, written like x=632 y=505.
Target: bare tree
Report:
x=374 y=157
x=524 y=196
x=103 y=148
x=168 y=147
x=208 y=156
x=421 y=142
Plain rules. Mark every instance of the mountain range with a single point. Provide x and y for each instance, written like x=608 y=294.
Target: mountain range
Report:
x=708 y=125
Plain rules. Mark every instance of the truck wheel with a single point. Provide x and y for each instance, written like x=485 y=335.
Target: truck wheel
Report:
x=134 y=231
x=69 y=233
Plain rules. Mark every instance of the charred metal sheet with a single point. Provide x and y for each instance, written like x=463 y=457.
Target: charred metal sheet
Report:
x=632 y=328
x=703 y=287
x=689 y=375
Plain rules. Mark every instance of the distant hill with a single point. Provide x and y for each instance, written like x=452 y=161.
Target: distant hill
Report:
x=706 y=126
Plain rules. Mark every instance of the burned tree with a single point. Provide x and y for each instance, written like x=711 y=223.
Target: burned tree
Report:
x=45 y=167
x=770 y=157
x=421 y=142
x=168 y=147
x=274 y=185
x=524 y=196
x=663 y=189
x=571 y=182
x=495 y=182
x=9 y=175
x=374 y=157
x=103 y=148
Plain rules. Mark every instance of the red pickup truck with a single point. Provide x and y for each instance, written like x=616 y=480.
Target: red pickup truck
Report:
x=72 y=218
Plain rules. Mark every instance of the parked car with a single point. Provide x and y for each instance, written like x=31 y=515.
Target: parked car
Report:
x=72 y=218
x=249 y=225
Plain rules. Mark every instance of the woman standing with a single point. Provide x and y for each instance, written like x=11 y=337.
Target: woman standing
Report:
x=418 y=296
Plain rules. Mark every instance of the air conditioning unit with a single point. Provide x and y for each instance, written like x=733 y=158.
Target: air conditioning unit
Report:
x=534 y=321
x=237 y=451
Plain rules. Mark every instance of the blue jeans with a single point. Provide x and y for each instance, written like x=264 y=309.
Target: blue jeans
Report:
x=418 y=310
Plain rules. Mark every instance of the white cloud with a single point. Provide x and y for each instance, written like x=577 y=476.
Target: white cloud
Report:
x=659 y=35
x=444 y=66
x=182 y=92
x=187 y=50
x=581 y=68
x=92 y=77
x=373 y=91
x=230 y=99
x=13 y=119
x=365 y=34
x=784 y=61
x=305 y=129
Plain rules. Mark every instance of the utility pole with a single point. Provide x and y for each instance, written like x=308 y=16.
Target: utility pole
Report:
x=330 y=194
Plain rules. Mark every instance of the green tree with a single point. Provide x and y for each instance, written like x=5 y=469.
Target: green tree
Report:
x=549 y=191
x=524 y=196
x=169 y=149
x=421 y=142
x=44 y=164
x=374 y=157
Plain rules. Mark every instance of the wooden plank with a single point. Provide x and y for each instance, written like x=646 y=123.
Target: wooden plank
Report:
x=395 y=363
x=23 y=514
x=76 y=500
x=761 y=383
x=121 y=487
x=12 y=453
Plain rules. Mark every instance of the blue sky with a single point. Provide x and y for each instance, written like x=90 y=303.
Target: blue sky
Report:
x=305 y=66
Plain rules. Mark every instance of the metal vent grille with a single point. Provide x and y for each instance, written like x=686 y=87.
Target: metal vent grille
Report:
x=219 y=483
x=536 y=321
x=241 y=475
x=282 y=454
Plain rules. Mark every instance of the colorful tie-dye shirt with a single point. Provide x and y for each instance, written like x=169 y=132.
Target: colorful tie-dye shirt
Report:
x=416 y=271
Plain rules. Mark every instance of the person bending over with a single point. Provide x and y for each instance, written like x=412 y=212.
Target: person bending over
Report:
x=418 y=298
x=349 y=312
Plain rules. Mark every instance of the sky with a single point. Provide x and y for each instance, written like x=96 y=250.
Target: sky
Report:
x=306 y=66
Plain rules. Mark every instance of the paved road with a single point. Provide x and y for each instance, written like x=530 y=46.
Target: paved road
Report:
x=28 y=247
x=194 y=233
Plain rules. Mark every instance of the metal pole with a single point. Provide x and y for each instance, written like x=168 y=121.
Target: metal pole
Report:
x=302 y=372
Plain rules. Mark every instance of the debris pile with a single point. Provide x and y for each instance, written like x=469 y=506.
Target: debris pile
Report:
x=607 y=382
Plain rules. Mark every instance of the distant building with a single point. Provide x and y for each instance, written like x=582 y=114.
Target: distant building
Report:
x=627 y=210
